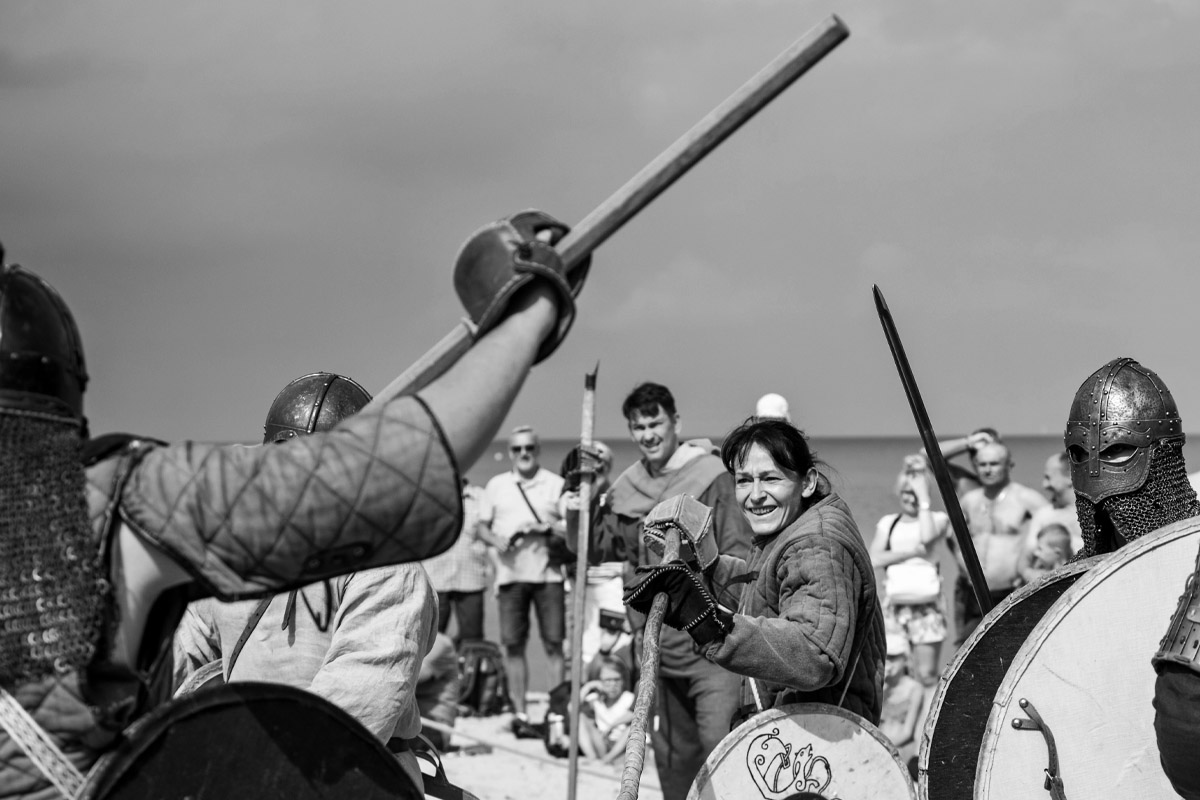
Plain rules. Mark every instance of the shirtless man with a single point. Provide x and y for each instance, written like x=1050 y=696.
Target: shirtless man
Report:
x=998 y=514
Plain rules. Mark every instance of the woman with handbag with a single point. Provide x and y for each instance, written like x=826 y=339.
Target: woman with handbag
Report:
x=902 y=547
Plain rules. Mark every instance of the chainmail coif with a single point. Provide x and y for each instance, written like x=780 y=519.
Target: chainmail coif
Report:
x=52 y=588
x=1165 y=497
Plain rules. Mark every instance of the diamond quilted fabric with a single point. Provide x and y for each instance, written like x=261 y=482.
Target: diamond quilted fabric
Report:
x=380 y=488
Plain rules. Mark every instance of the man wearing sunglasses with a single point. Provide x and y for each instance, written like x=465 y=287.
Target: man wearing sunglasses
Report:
x=519 y=518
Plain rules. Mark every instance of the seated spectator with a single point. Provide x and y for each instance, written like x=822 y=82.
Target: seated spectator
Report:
x=606 y=712
x=1052 y=551
x=616 y=641
x=903 y=697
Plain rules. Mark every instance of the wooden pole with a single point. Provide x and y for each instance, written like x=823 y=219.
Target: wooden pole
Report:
x=934 y=453
x=635 y=748
x=579 y=595
x=654 y=178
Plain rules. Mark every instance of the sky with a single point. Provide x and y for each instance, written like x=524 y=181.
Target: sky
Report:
x=233 y=194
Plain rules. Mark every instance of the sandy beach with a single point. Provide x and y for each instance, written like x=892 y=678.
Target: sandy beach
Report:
x=521 y=769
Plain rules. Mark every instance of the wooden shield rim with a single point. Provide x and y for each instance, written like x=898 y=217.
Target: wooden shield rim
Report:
x=735 y=736
x=144 y=733
x=966 y=652
x=1110 y=563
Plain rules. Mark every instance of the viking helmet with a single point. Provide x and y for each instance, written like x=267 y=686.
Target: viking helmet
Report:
x=1119 y=413
x=313 y=403
x=41 y=357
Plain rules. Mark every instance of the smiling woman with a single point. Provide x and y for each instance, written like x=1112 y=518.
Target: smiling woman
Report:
x=808 y=627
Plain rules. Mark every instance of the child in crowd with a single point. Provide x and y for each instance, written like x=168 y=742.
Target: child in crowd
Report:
x=607 y=711
x=903 y=697
x=1052 y=551
x=615 y=641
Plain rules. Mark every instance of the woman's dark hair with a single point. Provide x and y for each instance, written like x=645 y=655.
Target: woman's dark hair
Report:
x=784 y=442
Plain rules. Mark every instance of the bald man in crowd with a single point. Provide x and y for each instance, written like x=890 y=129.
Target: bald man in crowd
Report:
x=998 y=513
x=1057 y=485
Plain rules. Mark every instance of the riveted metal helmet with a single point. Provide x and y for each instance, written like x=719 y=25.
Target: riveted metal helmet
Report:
x=41 y=356
x=313 y=403
x=1118 y=414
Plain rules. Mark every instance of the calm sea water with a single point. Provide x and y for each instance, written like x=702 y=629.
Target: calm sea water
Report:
x=863 y=469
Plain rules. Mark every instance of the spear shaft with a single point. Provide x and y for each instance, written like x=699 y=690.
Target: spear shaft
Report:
x=934 y=453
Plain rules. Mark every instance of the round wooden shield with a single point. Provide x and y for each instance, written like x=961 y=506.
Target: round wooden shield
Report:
x=1080 y=688
x=249 y=739
x=958 y=712
x=814 y=747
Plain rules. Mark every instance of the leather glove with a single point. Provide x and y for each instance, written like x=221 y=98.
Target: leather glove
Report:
x=690 y=606
x=501 y=258
x=693 y=520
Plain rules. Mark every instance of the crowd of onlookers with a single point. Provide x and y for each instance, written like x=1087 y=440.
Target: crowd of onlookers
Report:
x=514 y=542
x=1018 y=534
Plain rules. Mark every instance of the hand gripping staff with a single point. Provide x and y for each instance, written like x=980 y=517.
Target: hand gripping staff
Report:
x=934 y=454
x=655 y=177
x=635 y=747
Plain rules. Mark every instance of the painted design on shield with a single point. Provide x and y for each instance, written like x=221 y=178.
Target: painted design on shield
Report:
x=779 y=774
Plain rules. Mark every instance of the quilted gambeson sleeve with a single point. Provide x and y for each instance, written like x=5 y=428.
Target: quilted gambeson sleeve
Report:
x=808 y=645
x=380 y=488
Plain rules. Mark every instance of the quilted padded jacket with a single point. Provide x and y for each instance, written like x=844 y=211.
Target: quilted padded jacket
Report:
x=380 y=488
x=808 y=618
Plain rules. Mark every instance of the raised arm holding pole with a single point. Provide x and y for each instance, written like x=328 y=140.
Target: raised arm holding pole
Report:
x=654 y=178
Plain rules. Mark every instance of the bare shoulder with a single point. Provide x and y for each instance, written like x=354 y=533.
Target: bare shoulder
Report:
x=1032 y=499
x=972 y=499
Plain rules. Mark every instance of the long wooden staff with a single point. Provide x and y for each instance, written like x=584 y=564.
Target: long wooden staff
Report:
x=579 y=596
x=635 y=747
x=654 y=178
x=934 y=453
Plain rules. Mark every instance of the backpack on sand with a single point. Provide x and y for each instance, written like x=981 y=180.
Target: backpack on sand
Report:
x=483 y=685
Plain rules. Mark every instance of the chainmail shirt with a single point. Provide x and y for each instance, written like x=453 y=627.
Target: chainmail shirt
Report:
x=52 y=589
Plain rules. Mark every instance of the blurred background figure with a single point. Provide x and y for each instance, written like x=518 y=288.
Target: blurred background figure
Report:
x=903 y=697
x=461 y=574
x=604 y=583
x=1060 y=491
x=772 y=406
x=437 y=690
x=903 y=550
x=520 y=519
x=1051 y=551
x=606 y=712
